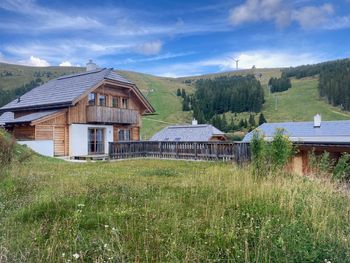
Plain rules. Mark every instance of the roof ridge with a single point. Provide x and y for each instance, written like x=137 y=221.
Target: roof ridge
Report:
x=81 y=73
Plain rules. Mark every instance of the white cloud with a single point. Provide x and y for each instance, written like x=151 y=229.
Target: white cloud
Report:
x=149 y=48
x=257 y=10
x=259 y=58
x=282 y=14
x=312 y=17
x=65 y=64
x=35 y=61
x=46 y=18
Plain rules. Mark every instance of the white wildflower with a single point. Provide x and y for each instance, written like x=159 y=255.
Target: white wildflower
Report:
x=81 y=205
x=105 y=245
x=63 y=254
x=106 y=226
x=76 y=255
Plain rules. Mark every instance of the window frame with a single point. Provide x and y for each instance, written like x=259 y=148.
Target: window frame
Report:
x=105 y=100
x=92 y=101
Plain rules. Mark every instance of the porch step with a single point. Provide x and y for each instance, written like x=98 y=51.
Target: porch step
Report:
x=100 y=157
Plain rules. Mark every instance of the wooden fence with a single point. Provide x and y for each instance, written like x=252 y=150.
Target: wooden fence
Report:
x=225 y=151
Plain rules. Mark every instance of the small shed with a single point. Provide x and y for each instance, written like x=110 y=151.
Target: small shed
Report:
x=190 y=133
x=317 y=136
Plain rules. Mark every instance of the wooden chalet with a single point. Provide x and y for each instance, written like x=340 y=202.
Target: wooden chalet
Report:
x=78 y=114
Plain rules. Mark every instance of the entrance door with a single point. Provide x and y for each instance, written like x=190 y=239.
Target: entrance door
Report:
x=96 y=141
x=58 y=139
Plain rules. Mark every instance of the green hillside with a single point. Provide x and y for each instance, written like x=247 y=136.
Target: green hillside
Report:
x=14 y=76
x=300 y=103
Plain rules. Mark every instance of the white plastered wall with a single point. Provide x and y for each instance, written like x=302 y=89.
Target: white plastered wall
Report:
x=78 y=138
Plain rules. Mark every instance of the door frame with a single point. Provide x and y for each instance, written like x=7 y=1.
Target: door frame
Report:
x=95 y=142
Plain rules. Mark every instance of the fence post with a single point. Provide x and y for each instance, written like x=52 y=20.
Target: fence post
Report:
x=195 y=151
x=176 y=149
x=160 y=150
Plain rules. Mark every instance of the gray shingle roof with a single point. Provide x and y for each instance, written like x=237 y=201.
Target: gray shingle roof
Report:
x=330 y=131
x=201 y=132
x=63 y=90
x=8 y=117
x=5 y=117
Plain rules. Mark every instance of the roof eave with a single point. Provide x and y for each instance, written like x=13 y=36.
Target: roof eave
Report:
x=38 y=107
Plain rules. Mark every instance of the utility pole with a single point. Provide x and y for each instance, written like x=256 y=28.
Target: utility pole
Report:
x=275 y=102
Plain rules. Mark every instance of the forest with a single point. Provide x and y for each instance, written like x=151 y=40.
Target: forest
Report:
x=224 y=94
x=334 y=80
x=7 y=95
x=279 y=84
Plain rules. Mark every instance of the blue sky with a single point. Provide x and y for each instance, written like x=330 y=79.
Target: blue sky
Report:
x=174 y=38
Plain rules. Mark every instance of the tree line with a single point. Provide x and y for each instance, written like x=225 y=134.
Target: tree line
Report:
x=279 y=84
x=334 y=80
x=223 y=94
x=7 y=96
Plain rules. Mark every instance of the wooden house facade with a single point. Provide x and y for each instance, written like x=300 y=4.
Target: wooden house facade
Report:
x=77 y=115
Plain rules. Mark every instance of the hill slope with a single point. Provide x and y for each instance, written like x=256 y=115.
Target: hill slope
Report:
x=300 y=103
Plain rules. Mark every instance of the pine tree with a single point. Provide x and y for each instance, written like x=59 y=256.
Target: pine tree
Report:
x=241 y=124
x=183 y=93
x=262 y=119
x=251 y=120
x=178 y=93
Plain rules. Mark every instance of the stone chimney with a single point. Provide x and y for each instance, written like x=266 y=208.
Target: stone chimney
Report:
x=317 y=121
x=194 y=122
x=91 y=66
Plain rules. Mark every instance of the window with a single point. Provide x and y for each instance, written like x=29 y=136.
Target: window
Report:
x=102 y=99
x=96 y=140
x=125 y=103
x=92 y=99
x=124 y=135
x=115 y=102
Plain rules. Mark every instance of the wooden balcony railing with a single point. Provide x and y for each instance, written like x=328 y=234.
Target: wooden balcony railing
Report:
x=100 y=114
x=226 y=151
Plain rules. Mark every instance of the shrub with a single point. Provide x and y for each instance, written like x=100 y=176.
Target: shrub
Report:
x=7 y=151
x=10 y=152
x=271 y=157
x=341 y=170
x=325 y=164
x=281 y=149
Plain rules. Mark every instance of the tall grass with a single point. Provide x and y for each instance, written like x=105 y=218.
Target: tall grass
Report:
x=166 y=211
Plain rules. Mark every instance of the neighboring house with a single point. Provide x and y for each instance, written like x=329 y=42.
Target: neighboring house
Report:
x=78 y=114
x=318 y=136
x=192 y=133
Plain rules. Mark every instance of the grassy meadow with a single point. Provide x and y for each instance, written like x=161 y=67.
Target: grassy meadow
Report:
x=167 y=211
x=300 y=103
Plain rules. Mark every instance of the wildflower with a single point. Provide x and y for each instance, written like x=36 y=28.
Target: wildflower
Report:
x=106 y=226
x=113 y=229
x=76 y=255
x=81 y=205
x=105 y=245
x=63 y=254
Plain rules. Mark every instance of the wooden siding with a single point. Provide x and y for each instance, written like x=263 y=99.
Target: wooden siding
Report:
x=44 y=132
x=135 y=133
x=59 y=140
x=77 y=113
x=96 y=114
x=24 y=132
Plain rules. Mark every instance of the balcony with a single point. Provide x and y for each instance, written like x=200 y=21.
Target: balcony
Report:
x=100 y=114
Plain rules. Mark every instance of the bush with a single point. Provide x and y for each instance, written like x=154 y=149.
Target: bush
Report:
x=10 y=152
x=271 y=157
x=341 y=170
x=7 y=151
